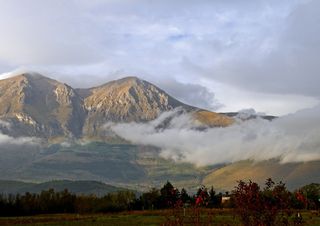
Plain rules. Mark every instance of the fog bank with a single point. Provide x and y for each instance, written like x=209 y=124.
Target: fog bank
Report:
x=292 y=138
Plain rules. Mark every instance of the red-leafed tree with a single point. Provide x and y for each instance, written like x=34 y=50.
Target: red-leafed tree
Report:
x=270 y=206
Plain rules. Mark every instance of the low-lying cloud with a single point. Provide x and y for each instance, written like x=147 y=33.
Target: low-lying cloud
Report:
x=8 y=140
x=292 y=138
x=17 y=152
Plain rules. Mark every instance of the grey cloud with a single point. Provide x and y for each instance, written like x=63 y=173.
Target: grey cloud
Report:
x=293 y=138
x=290 y=66
x=192 y=94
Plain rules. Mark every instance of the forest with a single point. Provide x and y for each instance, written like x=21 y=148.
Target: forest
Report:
x=249 y=201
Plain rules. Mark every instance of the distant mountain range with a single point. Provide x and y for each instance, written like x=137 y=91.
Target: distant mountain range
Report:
x=77 y=145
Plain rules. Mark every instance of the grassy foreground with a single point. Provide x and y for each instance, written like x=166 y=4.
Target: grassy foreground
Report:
x=216 y=217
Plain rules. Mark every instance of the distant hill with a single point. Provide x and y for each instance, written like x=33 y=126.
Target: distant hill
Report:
x=295 y=175
x=78 y=187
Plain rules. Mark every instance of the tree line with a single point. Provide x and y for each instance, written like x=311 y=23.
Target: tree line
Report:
x=252 y=203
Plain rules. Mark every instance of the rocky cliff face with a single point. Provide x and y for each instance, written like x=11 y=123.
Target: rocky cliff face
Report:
x=38 y=106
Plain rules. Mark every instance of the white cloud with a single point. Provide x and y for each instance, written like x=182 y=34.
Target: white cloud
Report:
x=16 y=153
x=8 y=140
x=293 y=138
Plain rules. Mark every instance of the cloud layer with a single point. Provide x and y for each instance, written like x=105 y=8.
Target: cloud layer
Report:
x=293 y=138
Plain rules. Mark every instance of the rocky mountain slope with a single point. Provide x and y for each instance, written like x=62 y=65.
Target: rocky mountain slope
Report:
x=38 y=106
x=35 y=105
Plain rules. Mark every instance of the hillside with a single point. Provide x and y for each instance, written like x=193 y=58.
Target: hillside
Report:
x=121 y=165
x=293 y=174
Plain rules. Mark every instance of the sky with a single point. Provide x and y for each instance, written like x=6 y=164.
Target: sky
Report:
x=221 y=55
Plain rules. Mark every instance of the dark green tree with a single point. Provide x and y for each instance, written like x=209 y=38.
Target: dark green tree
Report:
x=185 y=198
x=169 y=195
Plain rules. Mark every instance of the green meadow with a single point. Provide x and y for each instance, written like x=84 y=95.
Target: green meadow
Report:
x=212 y=217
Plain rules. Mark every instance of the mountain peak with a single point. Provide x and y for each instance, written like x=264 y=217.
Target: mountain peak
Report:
x=32 y=75
x=24 y=75
x=40 y=106
x=35 y=76
x=21 y=79
x=127 y=81
x=128 y=99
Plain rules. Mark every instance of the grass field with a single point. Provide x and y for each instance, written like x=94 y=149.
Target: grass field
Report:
x=209 y=217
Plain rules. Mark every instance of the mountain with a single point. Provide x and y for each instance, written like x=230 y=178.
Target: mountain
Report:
x=128 y=99
x=35 y=105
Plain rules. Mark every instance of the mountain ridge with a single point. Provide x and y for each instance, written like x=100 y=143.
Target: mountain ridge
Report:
x=36 y=105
